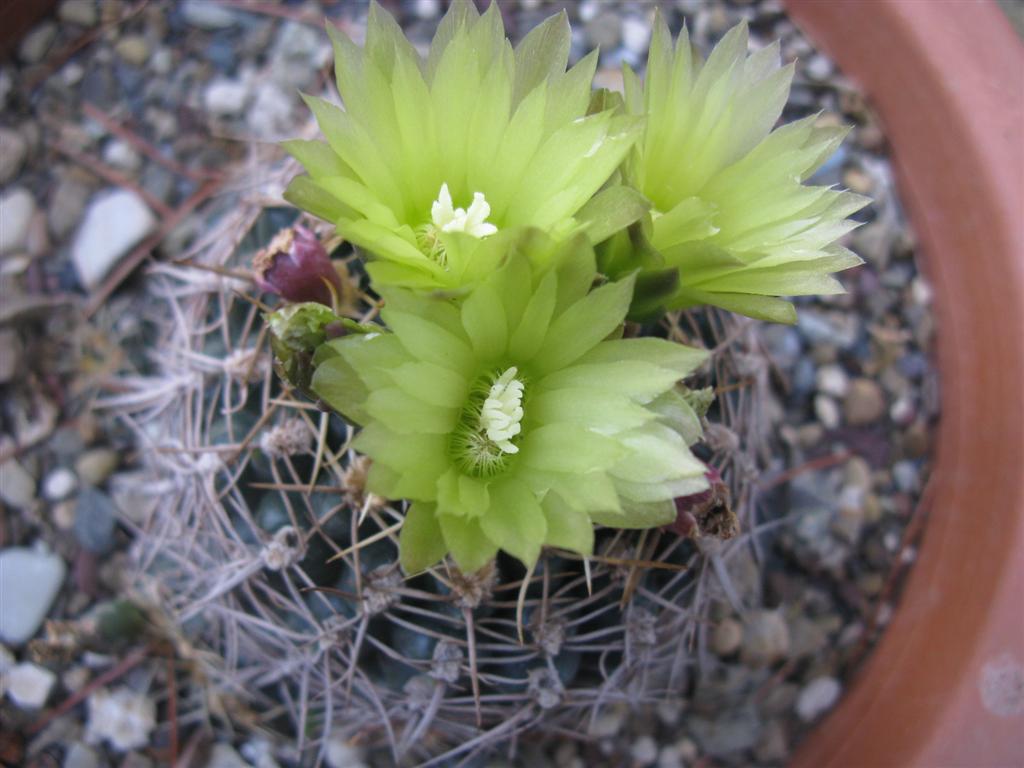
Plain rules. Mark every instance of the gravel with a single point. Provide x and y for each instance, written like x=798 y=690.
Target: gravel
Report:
x=29 y=581
x=115 y=221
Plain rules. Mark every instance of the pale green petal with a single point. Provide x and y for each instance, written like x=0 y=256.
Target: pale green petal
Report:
x=600 y=410
x=483 y=318
x=407 y=415
x=420 y=541
x=655 y=454
x=583 y=325
x=429 y=342
x=676 y=357
x=470 y=547
x=567 y=527
x=569 y=448
x=515 y=520
x=642 y=381
x=432 y=384
x=639 y=515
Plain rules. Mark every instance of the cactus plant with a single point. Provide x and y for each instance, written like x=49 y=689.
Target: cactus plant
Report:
x=282 y=573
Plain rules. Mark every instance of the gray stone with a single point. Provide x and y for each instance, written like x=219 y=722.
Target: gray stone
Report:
x=115 y=221
x=644 y=751
x=37 y=42
x=13 y=149
x=225 y=97
x=29 y=582
x=732 y=733
x=10 y=354
x=765 y=639
x=17 y=207
x=81 y=756
x=17 y=486
x=604 y=30
x=817 y=697
x=66 y=206
x=80 y=12
x=818 y=67
x=95 y=465
x=207 y=15
x=95 y=521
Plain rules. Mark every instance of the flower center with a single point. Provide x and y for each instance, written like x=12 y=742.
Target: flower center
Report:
x=445 y=217
x=482 y=443
x=503 y=411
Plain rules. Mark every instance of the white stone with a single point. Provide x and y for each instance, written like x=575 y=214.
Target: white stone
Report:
x=123 y=718
x=426 y=9
x=29 y=581
x=644 y=751
x=273 y=111
x=207 y=15
x=341 y=754
x=17 y=486
x=817 y=697
x=59 y=484
x=28 y=685
x=225 y=97
x=115 y=221
x=636 y=34
x=13 y=149
x=122 y=155
x=16 y=210
x=832 y=380
x=827 y=411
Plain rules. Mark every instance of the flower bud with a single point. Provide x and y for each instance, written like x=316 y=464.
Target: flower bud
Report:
x=707 y=513
x=295 y=333
x=296 y=267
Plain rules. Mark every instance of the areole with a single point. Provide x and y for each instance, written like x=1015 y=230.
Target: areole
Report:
x=944 y=687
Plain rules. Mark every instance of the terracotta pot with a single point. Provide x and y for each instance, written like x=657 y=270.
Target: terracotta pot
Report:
x=945 y=687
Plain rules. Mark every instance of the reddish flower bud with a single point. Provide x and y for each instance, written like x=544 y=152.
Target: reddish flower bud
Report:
x=296 y=267
x=706 y=513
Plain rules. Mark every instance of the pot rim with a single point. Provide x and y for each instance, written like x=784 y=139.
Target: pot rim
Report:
x=944 y=685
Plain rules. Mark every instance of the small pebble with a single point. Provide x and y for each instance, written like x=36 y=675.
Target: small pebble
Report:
x=122 y=717
x=726 y=637
x=96 y=465
x=826 y=411
x=115 y=221
x=864 y=403
x=207 y=15
x=36 y=43
x=133 y=49
x=818 y=67
x=341 y=754
x=636 y=34
x=121 y=155
x=28 y=685
x=225 y=98
x=17 y=486
x=13 y=150
x=817 y=697
x=644 y=751
x=857 y=180
x=17 y=207
x=29 y=582
x=765 y=639
x=95 y=521
x=832 y=380
x=79 y=12
x=59 y=484
x=80 y=755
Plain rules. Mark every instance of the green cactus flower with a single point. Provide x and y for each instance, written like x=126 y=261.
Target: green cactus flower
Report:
x=730 y=209
x=431 y=160
x=512 y=417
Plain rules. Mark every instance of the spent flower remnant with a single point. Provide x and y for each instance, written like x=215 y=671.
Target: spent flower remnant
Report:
x=730 y=209
x=429 y=159
x=511 y=416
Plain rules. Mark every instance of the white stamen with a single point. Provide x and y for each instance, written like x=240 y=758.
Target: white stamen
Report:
x=503 y=411
x=447 y=218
